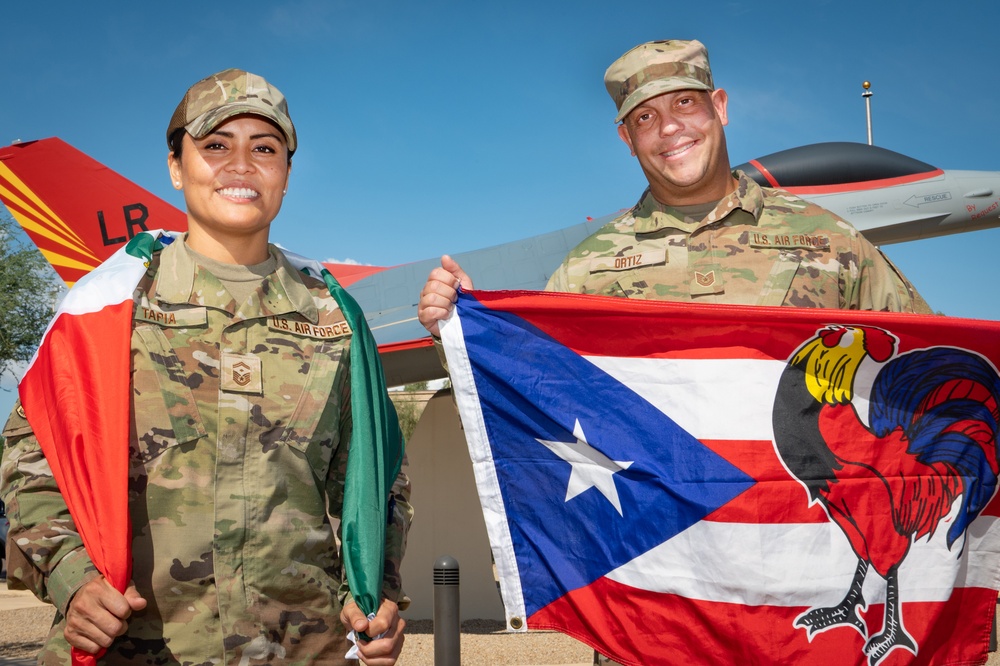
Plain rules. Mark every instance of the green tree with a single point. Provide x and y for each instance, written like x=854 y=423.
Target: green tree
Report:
x=407 y=408
x=28 y=290
x=416 y=386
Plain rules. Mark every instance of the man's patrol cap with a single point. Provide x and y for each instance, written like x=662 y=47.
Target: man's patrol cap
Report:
x=655 y=68
x=230 y=93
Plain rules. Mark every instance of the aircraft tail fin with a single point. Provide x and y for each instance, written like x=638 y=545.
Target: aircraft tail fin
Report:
x=75 y=209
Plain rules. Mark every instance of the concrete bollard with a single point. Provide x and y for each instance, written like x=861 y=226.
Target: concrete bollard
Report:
x=447 y=619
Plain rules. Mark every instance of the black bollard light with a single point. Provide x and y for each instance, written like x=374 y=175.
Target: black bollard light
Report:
x=447 y=620
x=993 y=633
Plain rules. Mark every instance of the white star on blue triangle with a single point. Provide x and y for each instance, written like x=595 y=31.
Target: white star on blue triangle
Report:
x=590 y=467
x=533 y=394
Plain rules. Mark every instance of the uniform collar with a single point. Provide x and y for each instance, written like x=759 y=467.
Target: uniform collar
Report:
x=650 y=215
x=178 y=280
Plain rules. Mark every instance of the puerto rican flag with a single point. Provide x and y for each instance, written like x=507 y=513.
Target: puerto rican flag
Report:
x=625 y=459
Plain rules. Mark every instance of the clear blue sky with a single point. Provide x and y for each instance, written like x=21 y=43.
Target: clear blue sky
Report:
x=442 y=126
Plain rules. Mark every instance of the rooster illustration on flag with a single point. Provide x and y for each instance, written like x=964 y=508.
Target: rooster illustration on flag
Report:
x=916 y=454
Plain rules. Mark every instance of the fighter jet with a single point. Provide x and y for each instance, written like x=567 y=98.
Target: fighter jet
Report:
x=78 y=212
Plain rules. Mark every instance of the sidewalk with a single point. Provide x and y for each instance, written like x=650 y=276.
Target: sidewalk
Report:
x=14 y=600
x=17 y=599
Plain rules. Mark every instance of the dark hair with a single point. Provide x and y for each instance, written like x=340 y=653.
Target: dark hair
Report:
x=176 y=141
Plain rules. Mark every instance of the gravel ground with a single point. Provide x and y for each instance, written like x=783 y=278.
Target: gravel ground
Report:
x=23 y=630
x=484 y=643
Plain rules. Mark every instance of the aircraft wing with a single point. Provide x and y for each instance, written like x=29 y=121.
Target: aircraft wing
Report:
x=389 y=297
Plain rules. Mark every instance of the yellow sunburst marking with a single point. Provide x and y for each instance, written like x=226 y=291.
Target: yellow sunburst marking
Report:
x=24 y=197
x=32 y=226
x=57 y=259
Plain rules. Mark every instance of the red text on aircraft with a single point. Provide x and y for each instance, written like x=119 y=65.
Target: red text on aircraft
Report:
x=986 y=211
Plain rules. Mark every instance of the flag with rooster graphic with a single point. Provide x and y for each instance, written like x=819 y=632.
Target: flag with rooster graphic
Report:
x=673 y=483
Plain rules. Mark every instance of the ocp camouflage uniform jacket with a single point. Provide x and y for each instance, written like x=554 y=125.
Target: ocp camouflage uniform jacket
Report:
x=236 y=480
x=759 y=246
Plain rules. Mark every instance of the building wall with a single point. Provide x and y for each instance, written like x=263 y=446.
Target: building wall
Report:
x=448 y=519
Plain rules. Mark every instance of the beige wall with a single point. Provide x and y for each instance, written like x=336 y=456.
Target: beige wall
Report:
x=448 y=519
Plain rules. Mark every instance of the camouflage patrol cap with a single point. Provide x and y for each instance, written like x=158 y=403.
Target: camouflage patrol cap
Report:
x=655 y=68
x=230 y=93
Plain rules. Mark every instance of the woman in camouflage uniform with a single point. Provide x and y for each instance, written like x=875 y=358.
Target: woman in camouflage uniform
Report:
x=241 y=418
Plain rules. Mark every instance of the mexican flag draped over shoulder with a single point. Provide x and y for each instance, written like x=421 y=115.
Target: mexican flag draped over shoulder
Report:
x=76 y=395
x=684 y=484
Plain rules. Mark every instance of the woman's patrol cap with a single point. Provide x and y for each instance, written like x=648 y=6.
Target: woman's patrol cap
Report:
x=655 y=68
x=230 y=93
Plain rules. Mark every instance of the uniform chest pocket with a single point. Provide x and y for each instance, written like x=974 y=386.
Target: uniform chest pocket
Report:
x=165 y=413
x=632 y=285
x=313 y=427
x=658 y=283
x=799 y=282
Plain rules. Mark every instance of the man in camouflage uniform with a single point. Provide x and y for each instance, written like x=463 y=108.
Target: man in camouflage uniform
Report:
x=241 y=420
x=701 y=233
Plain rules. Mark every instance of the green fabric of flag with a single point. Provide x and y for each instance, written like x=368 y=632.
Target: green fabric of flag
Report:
x=375 y=456
x=373 y=461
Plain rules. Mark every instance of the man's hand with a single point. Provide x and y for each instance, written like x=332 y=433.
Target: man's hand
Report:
x=438 y=296
x=382 y=651
x=97 y=614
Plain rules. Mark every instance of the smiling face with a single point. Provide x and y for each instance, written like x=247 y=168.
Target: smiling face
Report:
x=233 y=180
x=679 y=142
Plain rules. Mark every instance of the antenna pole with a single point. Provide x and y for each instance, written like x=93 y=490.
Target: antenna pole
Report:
x=867 y=94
